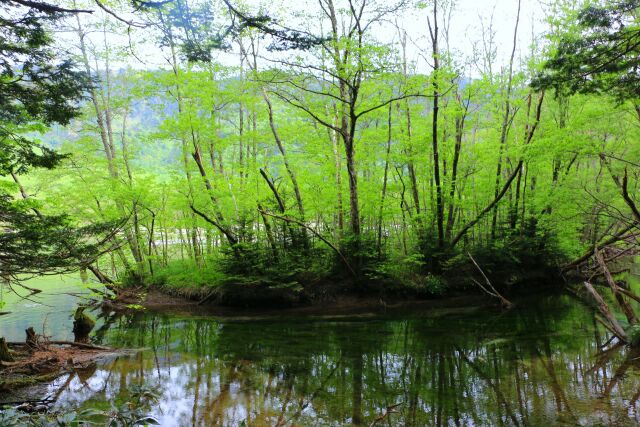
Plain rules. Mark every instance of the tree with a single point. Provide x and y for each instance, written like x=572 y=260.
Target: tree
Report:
x=601 y=56
x=37 y=89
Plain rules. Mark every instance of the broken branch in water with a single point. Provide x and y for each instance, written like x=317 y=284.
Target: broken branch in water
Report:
x=493 y=292
x=613 y=324
x=624 y=305
x=390 y=410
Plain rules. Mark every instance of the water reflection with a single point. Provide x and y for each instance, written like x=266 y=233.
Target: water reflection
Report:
x=50 y=312
x=534 y=366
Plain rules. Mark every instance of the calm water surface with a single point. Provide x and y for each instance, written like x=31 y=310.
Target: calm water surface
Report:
x=539 y=364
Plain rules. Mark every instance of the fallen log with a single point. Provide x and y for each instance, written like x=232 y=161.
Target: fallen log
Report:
x=624 y=305
x=70 y=343
x=604 y=310
x=620 y=235
x=82 y=345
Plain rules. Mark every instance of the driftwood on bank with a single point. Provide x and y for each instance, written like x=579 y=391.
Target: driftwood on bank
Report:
x=83 y=346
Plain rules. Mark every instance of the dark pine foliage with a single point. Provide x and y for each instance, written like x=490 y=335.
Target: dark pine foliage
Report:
x=36 y=88
x=199 y=33
x=602 y=57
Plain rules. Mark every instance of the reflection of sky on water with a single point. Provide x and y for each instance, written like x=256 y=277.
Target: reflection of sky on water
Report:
x=173 y=383
x=50 y=310
x=195 y=393
x=457 y=370
x=533 y=365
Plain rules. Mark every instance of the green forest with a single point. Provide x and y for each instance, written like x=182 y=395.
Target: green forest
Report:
x=260 y=155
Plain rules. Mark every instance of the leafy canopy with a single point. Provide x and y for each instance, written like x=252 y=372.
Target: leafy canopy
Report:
x=602 y=56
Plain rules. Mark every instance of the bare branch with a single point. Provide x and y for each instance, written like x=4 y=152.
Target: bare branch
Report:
x=308 y=111
x=48 y=8
x=118 y=17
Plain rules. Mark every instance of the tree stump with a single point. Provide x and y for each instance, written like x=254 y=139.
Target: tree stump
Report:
x=82 y=326
x=5 y=355
x=32 y=338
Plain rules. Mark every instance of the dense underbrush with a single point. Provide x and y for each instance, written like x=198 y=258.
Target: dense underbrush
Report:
x=255 y=275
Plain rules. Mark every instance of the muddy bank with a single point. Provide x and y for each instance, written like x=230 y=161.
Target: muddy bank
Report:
x=345 y=305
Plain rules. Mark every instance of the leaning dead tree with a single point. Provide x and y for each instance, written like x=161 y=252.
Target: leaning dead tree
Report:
x=597 y=267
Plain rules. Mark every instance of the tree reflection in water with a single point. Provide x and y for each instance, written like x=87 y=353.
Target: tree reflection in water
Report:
x=542 y=363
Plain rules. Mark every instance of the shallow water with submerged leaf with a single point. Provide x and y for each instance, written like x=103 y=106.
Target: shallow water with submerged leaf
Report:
x=538 y=364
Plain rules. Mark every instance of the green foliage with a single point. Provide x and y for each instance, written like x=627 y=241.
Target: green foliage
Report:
x=34 y=243
x=251 y=262
x=38 y=87
x=433 y=255
x=434 y=285
x=186 y=274
x=407 y=274
x=521 y=256
x=240 y=173
x=634 y=335
x=361 y=252
x=601 y=55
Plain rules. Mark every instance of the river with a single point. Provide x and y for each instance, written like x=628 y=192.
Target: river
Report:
x=541 y=363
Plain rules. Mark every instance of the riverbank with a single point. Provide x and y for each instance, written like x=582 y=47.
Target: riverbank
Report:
x=259 y=281
x=350 y=304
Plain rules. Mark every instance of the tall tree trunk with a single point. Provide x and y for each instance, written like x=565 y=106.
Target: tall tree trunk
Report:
x=354 y=213
x=433 y=31
x=409 y=150
x=384 y=184
x=459 y=122
x=504 y=129
x=104 y=121
x=333 y=135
